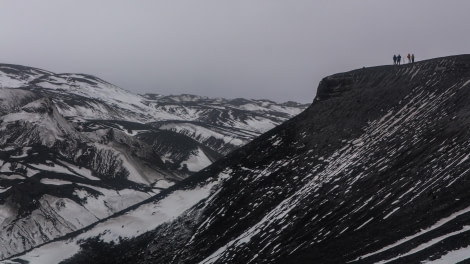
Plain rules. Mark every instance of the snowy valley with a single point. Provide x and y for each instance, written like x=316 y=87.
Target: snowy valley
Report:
x=75 y=150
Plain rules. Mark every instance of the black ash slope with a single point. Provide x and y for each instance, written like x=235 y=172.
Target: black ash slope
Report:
x=377 y=169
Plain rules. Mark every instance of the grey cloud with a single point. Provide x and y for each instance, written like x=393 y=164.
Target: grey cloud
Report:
x=270 y=49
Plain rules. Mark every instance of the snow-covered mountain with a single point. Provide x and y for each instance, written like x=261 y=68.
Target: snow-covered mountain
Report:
x=211 y=127
x=374 y=171
x=75 y=150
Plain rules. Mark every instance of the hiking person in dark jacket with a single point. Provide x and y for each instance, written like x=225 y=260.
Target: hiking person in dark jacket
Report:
x=398 y=59
x=394 y=59
x=412 y=58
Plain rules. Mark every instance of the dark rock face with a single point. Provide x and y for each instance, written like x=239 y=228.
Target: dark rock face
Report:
x=376 y=170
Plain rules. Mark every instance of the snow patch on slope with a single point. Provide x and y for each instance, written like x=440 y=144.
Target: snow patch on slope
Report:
x=197 y=161
x=142 y=219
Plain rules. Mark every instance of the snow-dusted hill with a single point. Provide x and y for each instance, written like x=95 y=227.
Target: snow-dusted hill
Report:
x=211 y=127
x=218 y=124
x=374 y=171
x=55 y=179
x=75 y=149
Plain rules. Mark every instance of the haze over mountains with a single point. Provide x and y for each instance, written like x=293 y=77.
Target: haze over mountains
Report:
x=75 y=149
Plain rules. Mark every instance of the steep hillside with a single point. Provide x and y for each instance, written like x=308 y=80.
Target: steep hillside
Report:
x=375 y=171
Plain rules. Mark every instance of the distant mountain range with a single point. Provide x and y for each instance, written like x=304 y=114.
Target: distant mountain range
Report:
x=75 y=149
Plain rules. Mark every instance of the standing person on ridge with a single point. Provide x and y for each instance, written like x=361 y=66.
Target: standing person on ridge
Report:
x=398 y=59
x=409 y=58
x=413 y=58
x=394 y=59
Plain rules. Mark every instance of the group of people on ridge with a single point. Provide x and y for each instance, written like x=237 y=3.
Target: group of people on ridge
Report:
x=397 y=59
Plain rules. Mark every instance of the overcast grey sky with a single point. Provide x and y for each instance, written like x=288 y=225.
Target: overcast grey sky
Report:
x=271 y=49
